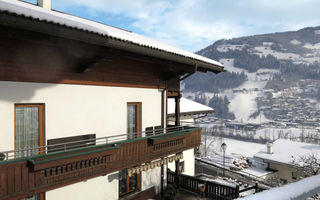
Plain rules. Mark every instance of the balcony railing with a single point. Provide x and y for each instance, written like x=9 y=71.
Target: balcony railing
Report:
x=29 y=175
x=211 y=190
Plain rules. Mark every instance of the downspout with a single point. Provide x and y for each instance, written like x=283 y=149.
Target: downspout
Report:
x=164 y=124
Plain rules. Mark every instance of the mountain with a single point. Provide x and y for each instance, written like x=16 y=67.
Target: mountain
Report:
x=276 y=61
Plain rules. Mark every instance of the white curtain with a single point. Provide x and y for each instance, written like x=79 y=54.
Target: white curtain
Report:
x=27 y=130
x=131 y=120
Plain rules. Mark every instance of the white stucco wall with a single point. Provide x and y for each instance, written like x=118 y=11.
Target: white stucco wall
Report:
x=188 y=158
x=152 y=177
x=76 y=110
x=100 y=188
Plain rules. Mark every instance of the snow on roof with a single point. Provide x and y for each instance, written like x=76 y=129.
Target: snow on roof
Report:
x=285 y=151
x=299 y=190
x=37 y=13
x=188 y=106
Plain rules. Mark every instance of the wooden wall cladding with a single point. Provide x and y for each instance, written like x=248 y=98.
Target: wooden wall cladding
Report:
x=20 y=179
x=33 y=57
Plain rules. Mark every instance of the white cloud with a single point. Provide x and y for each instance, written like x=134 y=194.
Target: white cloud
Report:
x=194 y=24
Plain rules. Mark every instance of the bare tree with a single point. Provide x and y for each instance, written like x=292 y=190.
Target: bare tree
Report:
x=308 y=164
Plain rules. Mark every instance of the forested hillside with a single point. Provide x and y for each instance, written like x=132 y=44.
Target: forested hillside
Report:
x=291 y=56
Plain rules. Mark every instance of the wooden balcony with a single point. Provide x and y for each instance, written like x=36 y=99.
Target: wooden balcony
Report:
x=23 y=177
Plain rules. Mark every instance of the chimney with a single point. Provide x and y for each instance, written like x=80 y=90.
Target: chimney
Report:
x=45 y=4
x=269 y=148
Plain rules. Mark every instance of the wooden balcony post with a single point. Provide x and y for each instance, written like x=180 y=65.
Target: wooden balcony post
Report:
x=177 y=173
x=237 y=191
x=177 y=110
x=162 y=178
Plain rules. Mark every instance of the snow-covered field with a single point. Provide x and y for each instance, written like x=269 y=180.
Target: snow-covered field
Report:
x=237 y=155
x=275 y=133
x=247 y=149
x=264 y=134
x=308 y=58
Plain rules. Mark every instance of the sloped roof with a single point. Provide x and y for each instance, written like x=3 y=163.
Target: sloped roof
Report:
x=118 y=38
x=188 y=107
x=285 y=151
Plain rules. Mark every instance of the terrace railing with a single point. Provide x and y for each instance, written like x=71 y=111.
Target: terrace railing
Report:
x=29 y=175
x=78 y=144
x=212 y=190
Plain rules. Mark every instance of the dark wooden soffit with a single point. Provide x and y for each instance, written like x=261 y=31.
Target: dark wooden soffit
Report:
x=63 y=31
x=26 y=177
x=34 y=57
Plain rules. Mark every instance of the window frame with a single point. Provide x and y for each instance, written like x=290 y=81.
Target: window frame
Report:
x=42 y=138
x=138 y=116
x=41 y=106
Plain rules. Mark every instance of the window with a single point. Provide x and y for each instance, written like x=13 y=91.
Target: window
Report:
x=128 y=184
x=29 y=132
x=29 y=128
x=133 y=120
x=294 y=175
x=181 y=167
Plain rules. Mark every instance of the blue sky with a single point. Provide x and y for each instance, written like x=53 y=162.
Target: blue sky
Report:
x=195 y=24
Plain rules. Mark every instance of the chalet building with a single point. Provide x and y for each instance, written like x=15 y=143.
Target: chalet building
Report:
x=283 y=155
x=189 y=111
x=84 y=110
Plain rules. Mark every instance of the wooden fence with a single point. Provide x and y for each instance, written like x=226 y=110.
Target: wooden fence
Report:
x=212 y=190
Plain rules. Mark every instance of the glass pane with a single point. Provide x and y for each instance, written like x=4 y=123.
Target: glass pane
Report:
x=122 y=181
x=133 y=182
x=131 y=120
x=27 y=130
x=35 y=197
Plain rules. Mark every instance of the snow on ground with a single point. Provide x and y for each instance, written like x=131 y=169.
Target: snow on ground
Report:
x=263 y=134
x=310 y=46
x=295 y=42
x=259 y=119
x=236 y=155
x=305 y=59
x=247 y=149
x=266 y=50
x=299 y=190
x=228 y=47
x=286 y=151
x=229 y=63
x=243 y=103
x=243 y=98
x=275 y=133
x=219 y=180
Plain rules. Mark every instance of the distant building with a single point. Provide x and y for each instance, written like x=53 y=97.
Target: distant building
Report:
x=281 y=155
x=189 y=110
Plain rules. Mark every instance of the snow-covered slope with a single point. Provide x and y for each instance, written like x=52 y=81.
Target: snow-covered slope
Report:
x=275 y=62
